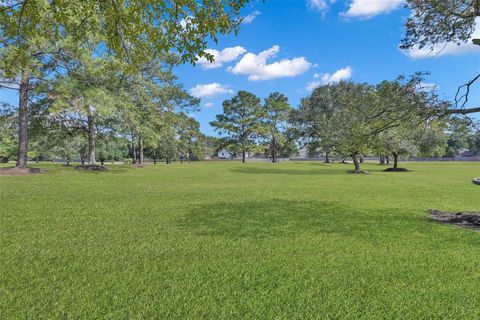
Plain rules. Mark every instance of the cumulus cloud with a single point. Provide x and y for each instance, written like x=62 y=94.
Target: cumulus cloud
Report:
x=220 y=57
x=369 y=8
x=444 y=49
x=248 y=19
x=327 y=78
x=320 y=5
x=255 y=66
x=209 y=90
x=428 y=86
x=209 y=105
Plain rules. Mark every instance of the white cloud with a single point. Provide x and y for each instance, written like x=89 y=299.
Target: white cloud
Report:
x=428 y=86
x=220 y=57
x=248 y=19
x=320 y=5
x=209 y=105
x=209 y=90
x=444 y=49
x=327 y=78
x=369 y=8
x=257 y=68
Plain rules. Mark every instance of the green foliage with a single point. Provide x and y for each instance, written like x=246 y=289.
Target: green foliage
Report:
x=134 y=31
x=8 y=127
x=241 y=121
x=276 y=112
x=440 y=21
x=458 y=132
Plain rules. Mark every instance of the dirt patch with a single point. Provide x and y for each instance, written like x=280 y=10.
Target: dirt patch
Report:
x=92 y=167
x=14 y=171
x=358 y=172
x=396 y=170
x=463 y=219
x=476 y=181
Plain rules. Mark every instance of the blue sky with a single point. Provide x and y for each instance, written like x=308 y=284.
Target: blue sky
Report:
x=330 y=38
x=309 y=42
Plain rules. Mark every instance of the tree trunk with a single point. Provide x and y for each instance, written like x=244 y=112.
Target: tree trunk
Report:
x=68 y=161
x=23 y=121
x=395 y=160
x=154 y=157
x=92 y=138
x=361 y=159
x=134 y=152
x=382 y=159
x=274 y=151
x=327 y=156
x=243 y=155
x=140 y=151
x=356 y=162
x=387 y=159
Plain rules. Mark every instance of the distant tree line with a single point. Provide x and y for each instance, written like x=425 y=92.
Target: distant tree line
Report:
x=348 y=120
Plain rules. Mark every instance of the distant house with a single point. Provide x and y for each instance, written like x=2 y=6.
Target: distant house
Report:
x=227 y=155
x=224 y=154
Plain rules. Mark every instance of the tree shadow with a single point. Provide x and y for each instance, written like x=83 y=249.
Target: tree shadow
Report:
x=283 y=218
x=301 y=172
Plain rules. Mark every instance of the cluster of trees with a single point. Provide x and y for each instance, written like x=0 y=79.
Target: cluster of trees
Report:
x=347 y=120
x=93 y=111
x=103 y=69
x=95 y=81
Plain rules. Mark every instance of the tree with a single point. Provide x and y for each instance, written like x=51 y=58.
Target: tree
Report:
x=317 y=119
x=190 y=137
x=458 y=133
x=432 y=140
x=399 y=141
x=241 y=121
x=439 y=22
x=276 y=111
x=8 y=131
x=474 y=142
x=133 y=31
x=85 y=91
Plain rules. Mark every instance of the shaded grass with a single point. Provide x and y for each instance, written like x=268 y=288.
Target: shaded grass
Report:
x=231 y=241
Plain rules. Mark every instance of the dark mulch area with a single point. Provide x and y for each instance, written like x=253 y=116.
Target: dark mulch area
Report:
x=92 y=167
x=396 y=170
x=14 y=171
x=462 y=219
x=358 y=172
x=476 y=181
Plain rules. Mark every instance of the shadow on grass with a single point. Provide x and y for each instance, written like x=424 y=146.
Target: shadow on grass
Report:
x=112 y=169
x=301 y=172
x=282 y=218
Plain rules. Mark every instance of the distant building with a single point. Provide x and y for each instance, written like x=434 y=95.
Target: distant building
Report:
x=224 y=154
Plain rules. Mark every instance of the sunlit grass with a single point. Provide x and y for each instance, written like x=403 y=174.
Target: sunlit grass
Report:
x=222 y=240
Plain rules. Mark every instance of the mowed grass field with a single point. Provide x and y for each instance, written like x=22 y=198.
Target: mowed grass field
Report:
x=225 y=240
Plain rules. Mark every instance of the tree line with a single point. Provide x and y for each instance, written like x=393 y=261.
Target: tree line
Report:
x=95 y=79
x=348 y=120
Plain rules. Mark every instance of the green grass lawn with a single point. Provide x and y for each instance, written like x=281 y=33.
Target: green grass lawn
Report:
x=222 y=240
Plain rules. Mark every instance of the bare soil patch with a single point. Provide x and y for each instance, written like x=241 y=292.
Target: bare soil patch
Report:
x=14 y=171
x=396 y=170
x=92 y=167
x=358 y=172
x=462 y=219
